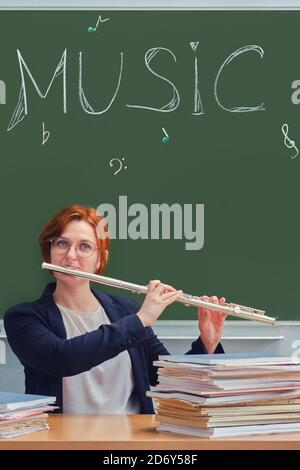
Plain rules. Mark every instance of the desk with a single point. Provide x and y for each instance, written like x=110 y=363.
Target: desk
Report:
x=132 y=432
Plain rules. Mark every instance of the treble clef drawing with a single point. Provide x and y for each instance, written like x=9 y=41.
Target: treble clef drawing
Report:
x=290 y=144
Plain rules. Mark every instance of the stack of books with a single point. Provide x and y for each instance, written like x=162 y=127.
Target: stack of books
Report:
x=22 y=413
x=227 y=395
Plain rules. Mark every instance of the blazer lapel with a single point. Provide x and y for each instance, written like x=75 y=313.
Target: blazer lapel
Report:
x=112 y=309
x=53 y=313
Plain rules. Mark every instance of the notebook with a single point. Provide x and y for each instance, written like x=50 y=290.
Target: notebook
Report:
x=226 y=359
x=15 y=401
x=231 y=431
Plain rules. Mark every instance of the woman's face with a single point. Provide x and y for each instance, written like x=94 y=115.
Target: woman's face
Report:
x=76 y=233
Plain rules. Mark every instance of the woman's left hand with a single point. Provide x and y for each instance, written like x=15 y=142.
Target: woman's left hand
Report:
x=211 y=323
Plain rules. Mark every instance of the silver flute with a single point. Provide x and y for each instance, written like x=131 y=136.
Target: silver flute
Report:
x=236 y=310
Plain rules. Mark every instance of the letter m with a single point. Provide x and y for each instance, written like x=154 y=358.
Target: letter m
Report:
x=21 y=109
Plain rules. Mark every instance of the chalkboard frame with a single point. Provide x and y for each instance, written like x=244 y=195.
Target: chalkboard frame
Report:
x=151 y=5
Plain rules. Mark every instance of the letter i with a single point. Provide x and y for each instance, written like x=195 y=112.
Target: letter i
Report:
x=198 y=108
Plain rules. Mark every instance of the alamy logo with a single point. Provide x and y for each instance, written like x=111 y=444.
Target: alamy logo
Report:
x=2 y=92
x=159 y=221
x=2 y=352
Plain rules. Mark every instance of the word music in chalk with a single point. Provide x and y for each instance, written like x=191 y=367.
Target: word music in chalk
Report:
x=22 y=108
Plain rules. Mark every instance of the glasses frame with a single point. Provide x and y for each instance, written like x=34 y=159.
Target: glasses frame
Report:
x=51 y=240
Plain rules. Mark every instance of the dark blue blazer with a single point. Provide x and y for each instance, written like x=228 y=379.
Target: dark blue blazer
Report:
x=36 y=334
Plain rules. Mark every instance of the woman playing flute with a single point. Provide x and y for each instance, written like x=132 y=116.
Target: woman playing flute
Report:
x=94 y=351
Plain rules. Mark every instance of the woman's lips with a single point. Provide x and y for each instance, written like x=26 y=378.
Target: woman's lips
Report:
x=71 y=267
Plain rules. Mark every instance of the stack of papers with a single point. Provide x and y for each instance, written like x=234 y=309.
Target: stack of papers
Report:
x=227 y=395
x=22 y=413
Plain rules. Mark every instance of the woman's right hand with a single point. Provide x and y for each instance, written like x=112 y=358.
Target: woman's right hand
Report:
x=158 y=297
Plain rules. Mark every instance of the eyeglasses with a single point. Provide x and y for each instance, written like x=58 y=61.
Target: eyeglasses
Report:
x=84 y=249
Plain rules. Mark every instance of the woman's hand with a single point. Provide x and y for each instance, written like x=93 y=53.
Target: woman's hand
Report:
x=211 y=323
x=158 y=297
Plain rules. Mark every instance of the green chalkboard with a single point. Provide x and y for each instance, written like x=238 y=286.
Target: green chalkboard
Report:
x=221 y=85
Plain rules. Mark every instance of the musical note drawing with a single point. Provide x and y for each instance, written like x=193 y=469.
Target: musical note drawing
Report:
x=120 y=164
x=92 y=29
x=166 y=138
x=290 y=144
x=45 y=134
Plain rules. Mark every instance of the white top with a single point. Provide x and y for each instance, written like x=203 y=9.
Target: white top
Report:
x=106 y=388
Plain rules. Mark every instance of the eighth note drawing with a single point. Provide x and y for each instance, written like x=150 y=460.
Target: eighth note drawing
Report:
x=92 y=29
x=45 y=135
x=120 y=164
x=166 y=138
x=290 y=144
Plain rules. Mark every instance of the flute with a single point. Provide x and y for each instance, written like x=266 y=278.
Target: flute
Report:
x=248 y=313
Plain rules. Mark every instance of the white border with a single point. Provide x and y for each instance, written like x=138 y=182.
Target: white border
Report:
x=150 y=5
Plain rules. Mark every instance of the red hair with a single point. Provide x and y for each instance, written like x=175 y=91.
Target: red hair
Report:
x=58 y=222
